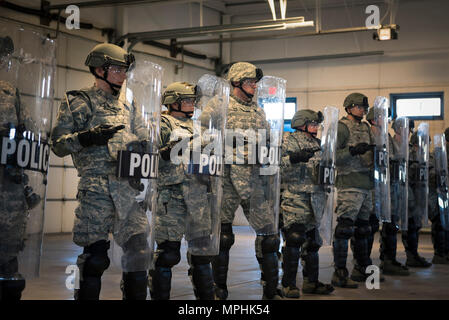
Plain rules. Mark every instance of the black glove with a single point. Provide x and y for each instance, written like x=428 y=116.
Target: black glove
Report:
x=301 y=156
x=32 y=198
x=98 y=135
x=136 y=184
x=360 y=148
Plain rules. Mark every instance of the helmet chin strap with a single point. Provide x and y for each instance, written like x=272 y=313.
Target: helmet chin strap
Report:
x=358 y=118
x=313 y=134
x=248 y=95
x=114 y=87
x=188 y=114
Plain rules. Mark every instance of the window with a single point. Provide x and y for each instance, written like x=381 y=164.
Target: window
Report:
x=289 y=112
x=418 y=106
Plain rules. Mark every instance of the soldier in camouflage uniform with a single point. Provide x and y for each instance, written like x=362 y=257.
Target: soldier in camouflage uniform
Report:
x=410 y=237
x=301 y=198
x=243 y=113
x=440 y=237
x=388 y=239
x=354 y=184
x=90 y=124
x=174 y=195
x=16 y=197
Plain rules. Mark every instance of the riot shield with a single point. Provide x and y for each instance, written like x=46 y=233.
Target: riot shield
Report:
x=381 y=154
x=327 y=173
x=134 y=187
x=399 y=171
x=442 y=178
x=202 y=188
x=421 y=183
x=27 y=72
x=264 y=176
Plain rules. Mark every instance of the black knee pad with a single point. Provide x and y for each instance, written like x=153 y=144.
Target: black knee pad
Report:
x=170 y=255
x=227 y=238
x=362 y=229
x=344 y=229
x=313 y=243
x=270 y=243
x=197 y=260
x=390 y=228
x=98 y=261
x=136 y=252
x=374 y=223
x=295 y=235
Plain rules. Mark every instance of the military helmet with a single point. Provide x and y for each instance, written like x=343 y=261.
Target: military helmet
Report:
x=177 y=91
x=6 y=46
x=106 y=54
x=241 y=71
x=303 y=117
x=356 y=99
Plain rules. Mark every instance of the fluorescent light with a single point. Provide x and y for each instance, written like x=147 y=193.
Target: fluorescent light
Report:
x=283 y=5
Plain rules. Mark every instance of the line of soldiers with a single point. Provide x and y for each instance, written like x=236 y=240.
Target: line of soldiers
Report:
x=110 y=132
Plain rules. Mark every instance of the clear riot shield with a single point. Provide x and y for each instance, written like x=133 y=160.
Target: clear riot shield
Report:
x=442 y=178
x=327 y=172
x=381 y=154
x=202 y=188
x=27 y=72
x=399 y=171
x=421 y=186
x=264 y=181
x=134 y=189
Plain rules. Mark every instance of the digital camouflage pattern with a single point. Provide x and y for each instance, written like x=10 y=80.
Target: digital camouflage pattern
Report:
x=13 y=181
x=96 y=165
x=302 y=195
x=354 y=174
x=182 y=198
x=243 y=182
x=243 y=70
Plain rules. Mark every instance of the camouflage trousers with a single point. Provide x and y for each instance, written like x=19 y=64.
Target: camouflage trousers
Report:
x=258 y=208
x=298 y=208
x=354 y=203
x=184 y=210
x=97 y=215
x=13 y=220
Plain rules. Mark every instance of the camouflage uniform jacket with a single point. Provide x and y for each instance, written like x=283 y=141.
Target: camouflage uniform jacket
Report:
x=170 y=173
x=243 y=115
x=354 y=171
x=83 y=110
x=300 y=177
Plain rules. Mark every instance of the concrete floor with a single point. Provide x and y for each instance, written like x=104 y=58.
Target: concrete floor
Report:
x=243 y=279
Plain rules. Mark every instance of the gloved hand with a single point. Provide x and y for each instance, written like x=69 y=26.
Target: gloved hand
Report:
x=301 y=156
x=98 y=135
x=360 y=148
x=31 y=198
x=136 y=184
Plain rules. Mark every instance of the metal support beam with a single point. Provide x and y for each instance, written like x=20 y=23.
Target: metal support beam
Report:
x=284 y=35
x=265 y=25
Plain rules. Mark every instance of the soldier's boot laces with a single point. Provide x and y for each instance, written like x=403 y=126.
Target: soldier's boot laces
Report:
x=316 y=287
x=341 y=279
x=394 y=268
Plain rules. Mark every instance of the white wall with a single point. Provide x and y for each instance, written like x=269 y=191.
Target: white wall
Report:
x=417 y=62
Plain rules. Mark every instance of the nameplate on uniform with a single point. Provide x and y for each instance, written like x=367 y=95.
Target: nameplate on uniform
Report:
x=28 y=154
x=137 y=165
